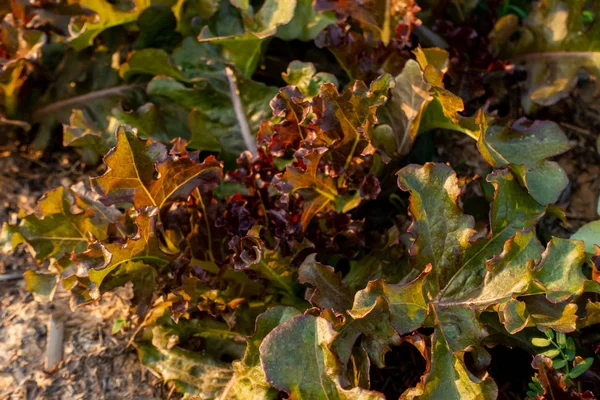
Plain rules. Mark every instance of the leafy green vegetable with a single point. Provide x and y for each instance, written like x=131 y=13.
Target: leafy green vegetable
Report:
x=554 y=43
x=302 y=231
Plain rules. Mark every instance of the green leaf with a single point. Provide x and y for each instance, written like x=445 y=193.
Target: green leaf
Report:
x=95 y=264
x=83 y=132
x=305 y=77
x=250 y=382
x=551 y=353
x=406 y=302
x=554 y=43
x=560 y=271
x=132 y=166
x=442 y=230
x=329 y=290
x=57 y=228
x=590 y=235
x=371 y=324
x=541 y=342
x=244 y=48
x=306 y=23
x=449 y=378
x=150 y=62
x=306 y=340
x=524 y=148
x=403 y=112
x=105 y=15
x=193 y=374
x=581 y=367
x=41 y=285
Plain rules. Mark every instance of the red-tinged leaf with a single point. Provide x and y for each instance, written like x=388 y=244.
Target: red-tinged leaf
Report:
x=377 y=17
x=319 y=191
x=141 y=172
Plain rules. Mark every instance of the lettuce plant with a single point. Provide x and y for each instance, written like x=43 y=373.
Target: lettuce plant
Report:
x=288 y=240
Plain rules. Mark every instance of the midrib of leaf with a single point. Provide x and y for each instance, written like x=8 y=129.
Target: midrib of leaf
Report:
x=478 y=302
x=354 y=145
x=137 y=174
x=169 y=194
x=466 y=263
x=90 y=96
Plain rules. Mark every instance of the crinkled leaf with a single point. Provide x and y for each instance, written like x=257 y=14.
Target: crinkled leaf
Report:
x=442 y=230
x=449 y=378
x=101 y=259
x=55 y=230
x=555 y=44
x=371 y=323
x=193 y=374
x=305 y=77
x=403 y=112
x=314 y=370
x=378 y=17
x=406 y=302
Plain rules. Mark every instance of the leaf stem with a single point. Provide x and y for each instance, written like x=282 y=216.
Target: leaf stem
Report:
x=83 y=99
x=208 y=232
x=239 y=112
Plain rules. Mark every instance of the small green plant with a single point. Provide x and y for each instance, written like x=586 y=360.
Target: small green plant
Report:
x=561 y=349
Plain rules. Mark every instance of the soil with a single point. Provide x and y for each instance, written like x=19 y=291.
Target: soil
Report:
x=96 y=364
